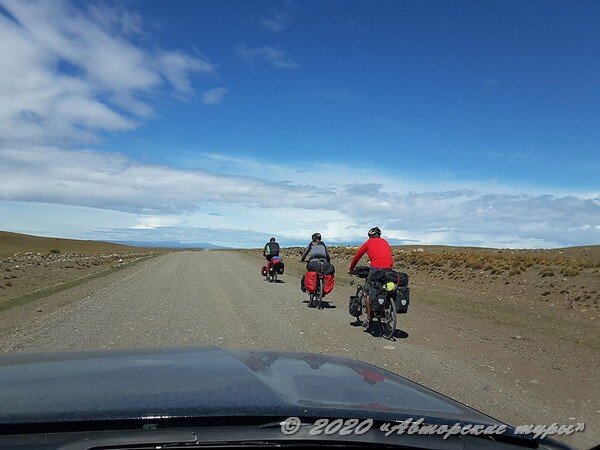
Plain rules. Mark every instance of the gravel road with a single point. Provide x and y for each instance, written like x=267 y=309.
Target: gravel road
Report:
x=218 y=298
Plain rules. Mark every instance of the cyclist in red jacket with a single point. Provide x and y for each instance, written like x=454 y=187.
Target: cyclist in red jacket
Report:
x=377 y=249
x=381 y=257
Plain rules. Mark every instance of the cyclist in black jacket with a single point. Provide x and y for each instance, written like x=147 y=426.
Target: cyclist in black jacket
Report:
x=271 y=249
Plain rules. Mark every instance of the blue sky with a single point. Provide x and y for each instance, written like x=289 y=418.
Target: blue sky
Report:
x=469 y=123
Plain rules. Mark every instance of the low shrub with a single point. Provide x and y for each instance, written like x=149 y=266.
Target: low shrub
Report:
x=546 y=273
x=570 y=272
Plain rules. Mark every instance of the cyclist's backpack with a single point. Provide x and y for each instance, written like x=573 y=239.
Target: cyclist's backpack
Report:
x=402 y=299
x=328 y=284
x=310 y=281
x=355 y=306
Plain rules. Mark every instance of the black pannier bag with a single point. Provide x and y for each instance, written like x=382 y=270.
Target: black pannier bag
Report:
x=355 y=306
x=383 y=276
x=402 y=295
x=403 y=279
x=402 y=299
x=320 y=266
x=375 y=293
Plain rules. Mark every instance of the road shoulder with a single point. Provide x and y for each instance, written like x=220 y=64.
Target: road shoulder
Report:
x=15 y=317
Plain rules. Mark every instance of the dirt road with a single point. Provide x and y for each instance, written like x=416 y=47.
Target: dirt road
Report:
x=218 y=298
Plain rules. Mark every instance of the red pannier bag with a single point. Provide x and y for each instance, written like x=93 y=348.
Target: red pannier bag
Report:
x=310 y=281
x=329 y=283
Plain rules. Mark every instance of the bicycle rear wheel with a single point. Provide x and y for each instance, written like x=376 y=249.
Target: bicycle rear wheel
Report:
x=320 y=295
x=387 y=323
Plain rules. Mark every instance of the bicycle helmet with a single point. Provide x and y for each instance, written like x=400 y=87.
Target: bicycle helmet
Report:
x=374 y=232
x=272 y=239
x=316 y=237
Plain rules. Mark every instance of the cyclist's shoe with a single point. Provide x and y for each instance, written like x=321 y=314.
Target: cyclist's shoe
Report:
x=369 y=326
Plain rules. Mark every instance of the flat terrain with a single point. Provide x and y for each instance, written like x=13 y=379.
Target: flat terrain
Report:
x=522 y=367
x=32 y=267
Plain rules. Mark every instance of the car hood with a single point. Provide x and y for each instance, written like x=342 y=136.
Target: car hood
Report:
x=209 y=382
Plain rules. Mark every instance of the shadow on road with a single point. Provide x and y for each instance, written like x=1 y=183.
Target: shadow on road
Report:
x=400 y=334
x=325 y=305
x=375 y=330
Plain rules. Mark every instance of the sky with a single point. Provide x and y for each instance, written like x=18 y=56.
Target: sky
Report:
x=456 y=123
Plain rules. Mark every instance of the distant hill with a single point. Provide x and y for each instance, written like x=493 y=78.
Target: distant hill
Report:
x=11 y=243
x=169 y=244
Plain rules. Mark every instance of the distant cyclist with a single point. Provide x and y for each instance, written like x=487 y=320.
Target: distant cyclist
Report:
x=271 y=249
x=380 y=256
x=316 y=249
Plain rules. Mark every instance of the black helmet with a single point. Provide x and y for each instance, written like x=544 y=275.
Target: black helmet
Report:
x=374 y=232
x=316 y=236
x=272 y=239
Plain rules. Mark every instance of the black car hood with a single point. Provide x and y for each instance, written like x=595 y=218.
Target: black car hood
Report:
x=209 y=382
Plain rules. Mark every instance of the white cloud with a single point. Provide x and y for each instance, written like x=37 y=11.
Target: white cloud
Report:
x=278 y=18
x=68 y=72
x=176 y=67
x=275 y=56
x=214 y=96
x=166 y=196
x=276 y=22
x=490 y=82
x=153 y=222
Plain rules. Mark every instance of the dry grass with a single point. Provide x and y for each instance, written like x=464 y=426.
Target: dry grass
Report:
x=544 y=274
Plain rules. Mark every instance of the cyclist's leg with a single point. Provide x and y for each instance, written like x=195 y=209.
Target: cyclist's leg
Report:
x=368 y=320
x=367 y=291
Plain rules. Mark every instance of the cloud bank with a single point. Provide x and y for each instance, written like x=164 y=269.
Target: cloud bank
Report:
x=116 y=182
